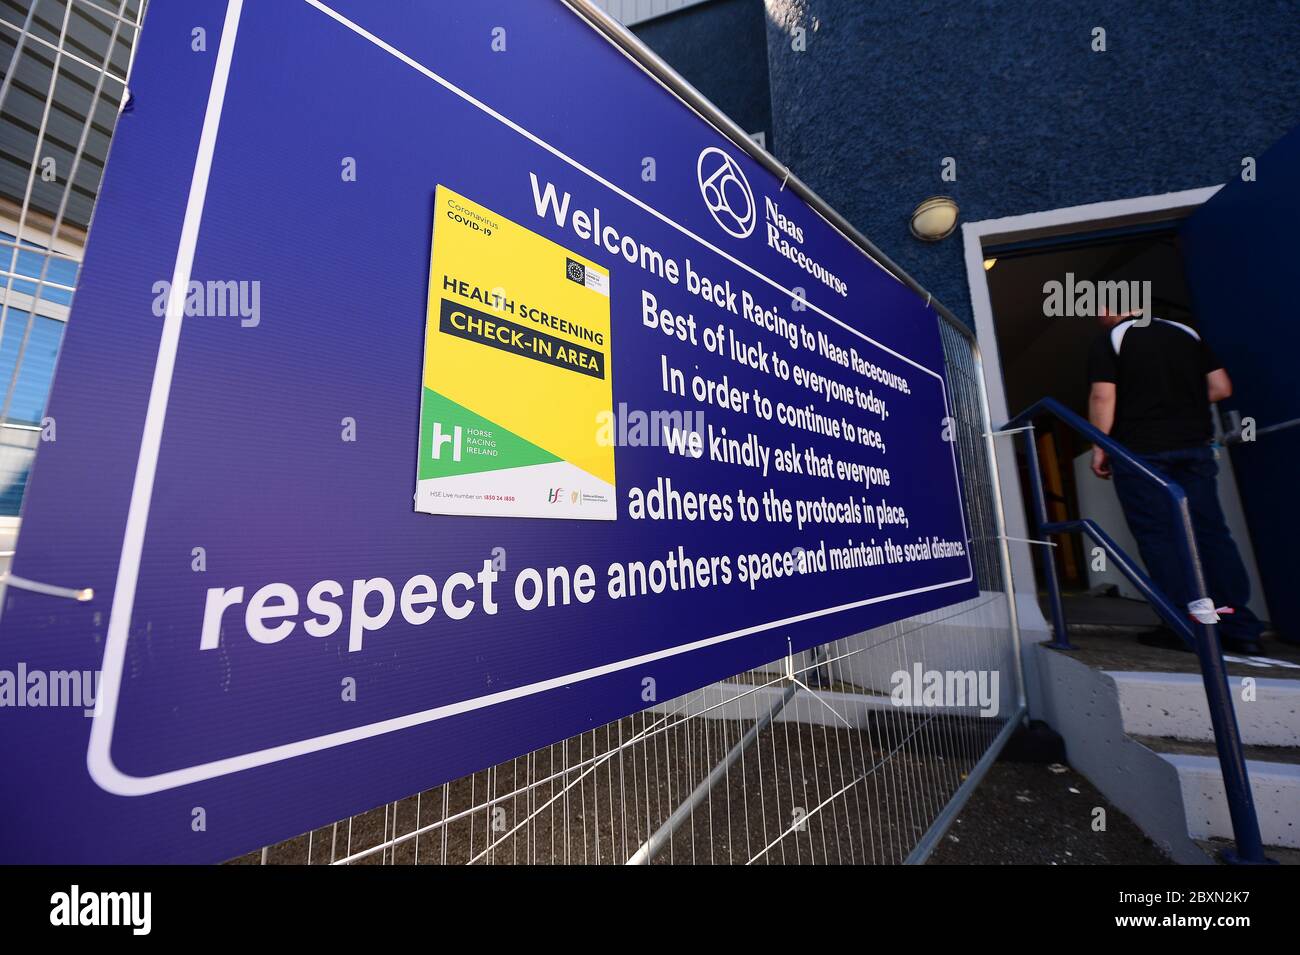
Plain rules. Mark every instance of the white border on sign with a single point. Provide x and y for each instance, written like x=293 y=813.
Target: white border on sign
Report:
x=99 y=759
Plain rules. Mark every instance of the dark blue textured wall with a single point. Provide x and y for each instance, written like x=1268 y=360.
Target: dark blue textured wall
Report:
x=1236 y=246
x=1035 y=119
x=1013 y=91
x=721 y=50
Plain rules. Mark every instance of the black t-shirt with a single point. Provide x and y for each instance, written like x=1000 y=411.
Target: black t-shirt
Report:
x=1159 y=374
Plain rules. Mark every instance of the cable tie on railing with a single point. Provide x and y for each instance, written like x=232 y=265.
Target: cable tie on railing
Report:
x=785 y=180
x=818 y=697
x=789 y=675
x=998 y=434
x=80 y=594
x=1203 y=611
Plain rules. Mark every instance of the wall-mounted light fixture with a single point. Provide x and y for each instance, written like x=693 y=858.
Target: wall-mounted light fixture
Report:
x=934 y=219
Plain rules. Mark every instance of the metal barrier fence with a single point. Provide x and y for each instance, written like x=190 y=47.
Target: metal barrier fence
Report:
x=806 y=759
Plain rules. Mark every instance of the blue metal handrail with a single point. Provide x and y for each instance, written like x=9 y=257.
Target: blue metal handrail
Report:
x=1202 y=638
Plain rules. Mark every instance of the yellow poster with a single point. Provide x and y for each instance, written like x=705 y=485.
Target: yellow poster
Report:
x=516 y=373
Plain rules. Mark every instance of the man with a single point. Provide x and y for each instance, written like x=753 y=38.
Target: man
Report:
x=1152 y=383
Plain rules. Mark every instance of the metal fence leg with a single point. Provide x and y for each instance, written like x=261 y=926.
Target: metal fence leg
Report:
x=645 y=855
x=1062 y=638
x=1000 y=524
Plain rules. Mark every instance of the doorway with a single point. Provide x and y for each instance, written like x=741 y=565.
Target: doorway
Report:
x=1031 y=355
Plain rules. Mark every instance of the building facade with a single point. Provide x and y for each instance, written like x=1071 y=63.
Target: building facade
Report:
x=1076 y=140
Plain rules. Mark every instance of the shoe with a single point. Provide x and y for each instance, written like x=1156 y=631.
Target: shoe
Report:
x=1162 y=638
x=1286 y=639
x=1246 y=645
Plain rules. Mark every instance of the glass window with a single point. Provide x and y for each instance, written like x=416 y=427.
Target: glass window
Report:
x=29 y=346
x=27 y=392
x=30 y=260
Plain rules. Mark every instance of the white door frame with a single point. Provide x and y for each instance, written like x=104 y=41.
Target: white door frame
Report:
x=1062 y=222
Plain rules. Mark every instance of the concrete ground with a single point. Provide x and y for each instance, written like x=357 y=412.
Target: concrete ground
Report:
x=1029 y=814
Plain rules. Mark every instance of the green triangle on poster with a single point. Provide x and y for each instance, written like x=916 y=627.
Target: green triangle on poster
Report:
x=492 y=448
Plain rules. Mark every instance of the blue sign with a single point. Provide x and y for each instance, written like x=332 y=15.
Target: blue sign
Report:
x=276 y=635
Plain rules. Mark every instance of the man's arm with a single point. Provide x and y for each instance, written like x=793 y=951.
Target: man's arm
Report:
x=1218 y=384
x=1101 y=412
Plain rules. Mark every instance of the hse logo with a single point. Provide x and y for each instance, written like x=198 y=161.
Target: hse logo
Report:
x=726 y=192
x=556 y=495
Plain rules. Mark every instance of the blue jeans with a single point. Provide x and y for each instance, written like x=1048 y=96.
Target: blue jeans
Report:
x=1154 y=524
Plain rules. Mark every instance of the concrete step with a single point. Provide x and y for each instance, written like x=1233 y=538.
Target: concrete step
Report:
x=1118 y=653
x=1173 y=705
x=1274 y=781
x=1114 y=712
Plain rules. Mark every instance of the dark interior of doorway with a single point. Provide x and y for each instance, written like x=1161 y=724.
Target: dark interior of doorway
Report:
x=1047 y=357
